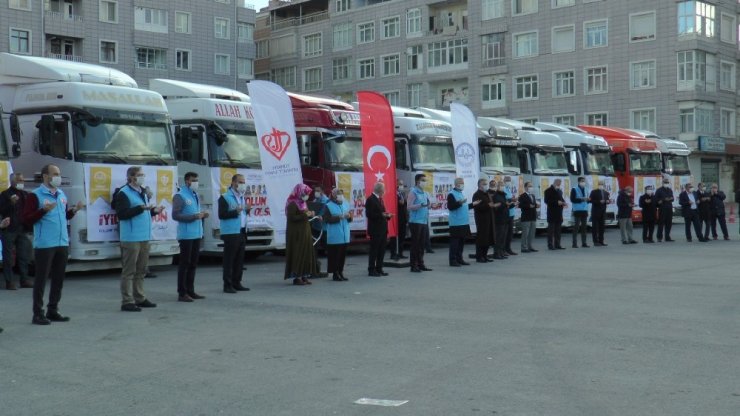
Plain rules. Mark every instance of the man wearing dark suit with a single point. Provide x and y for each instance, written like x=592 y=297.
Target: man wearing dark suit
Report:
x=647 y=205
x=664 y=200
x=483 y=219
x=718 y=212
x=377 y=229
x=690 y=211
x=704 y=200
x=528 y=204
x=599 y=201
x=555 y=204
x=402 y=218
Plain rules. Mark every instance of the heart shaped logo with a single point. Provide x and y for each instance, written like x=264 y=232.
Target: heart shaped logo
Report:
x=276 y=143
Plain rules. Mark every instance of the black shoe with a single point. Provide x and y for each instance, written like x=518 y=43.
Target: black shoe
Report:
x=482 y=260
x=382 y=273
x=56 y=317
x=373 y=274
x=688 y=240
x=550 y=248
x=150 y=275
x=130 y=307
x=146 y=304
x=196 y=296
x=499 y=257
x=184 y=298
x=335 y=277
x=575 y=245
x=625 y=242
x=415 y=270
x=647 y=241
x=455 y=264
x=430 y=251
x=633 y=242
x=229 y=289
x=401 y=256
x=669 y=239
x=584 y=245
x=660 y=240
x=703 y=240
x=240 y=288
x=560 y=248
x=425 y=269
x=531 y=250
x=511 y=252
x=464 y=263
x=40 y=320
x=526 y=250
x=604 y=244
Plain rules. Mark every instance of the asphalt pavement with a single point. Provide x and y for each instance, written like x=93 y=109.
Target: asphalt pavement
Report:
x=618 y=330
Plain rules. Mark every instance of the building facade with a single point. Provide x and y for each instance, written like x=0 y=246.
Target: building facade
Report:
x=668 y=66
x=206 y=41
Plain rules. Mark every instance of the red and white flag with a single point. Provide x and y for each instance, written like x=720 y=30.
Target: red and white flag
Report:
x=379 y=151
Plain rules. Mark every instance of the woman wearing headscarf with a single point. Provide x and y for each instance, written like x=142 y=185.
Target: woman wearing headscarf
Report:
x=300 y=259
x=337 y=217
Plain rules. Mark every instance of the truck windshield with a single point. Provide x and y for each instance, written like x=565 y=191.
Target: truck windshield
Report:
x=599 y=163
x=343 y=153
x=499 y=158
x=432 y=156
x=550 y=162
x=123 y=142
x=676 y=165
x=240 y=150
x=645 y=163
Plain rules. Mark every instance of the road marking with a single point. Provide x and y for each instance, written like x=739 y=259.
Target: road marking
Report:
x=380 y=402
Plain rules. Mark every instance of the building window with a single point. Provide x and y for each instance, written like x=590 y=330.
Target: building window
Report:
x=643 y=119
x=493 y=93
x=222 y=64
x=525 y=44
x=529 y=120
x=284 y=77
x=340 y=69
x=595 y=34
x=526 y=87
x=492 y=9
x=414 y=58
x=108 y=49
x=492 y=47
x=727 y=122
x=366 y=32
x=245 y=32
x=312 y=79
x=413 y=22
x=341 y=5
x=245 y=68
x=20 y=41
x=312 y=45
x=108 y=11
x=696 y=120
x=727 y=76
x=342 y=36
x=391 y=65
x=563 y=39
x=728 y=28
x=596 y=80
x=150 y=20
x=566 y=119
x=696 y=71
x=182 y=22
x=263 y=49
x=283 y=45
x=597 y=119
x=366 y=68
x=151 y=58
x=182 y=60
x=642 y=26
x=391 y=27
x=642 y=75
x=451 y=52
x=519 y=7
x=20 y=4
x=562 y=3
x=393 y=97
x=564 y=84
x=221 y=28
x=414 y=94
x=696 y=18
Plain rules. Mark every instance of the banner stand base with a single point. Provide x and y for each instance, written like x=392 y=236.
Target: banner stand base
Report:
x=398 y=264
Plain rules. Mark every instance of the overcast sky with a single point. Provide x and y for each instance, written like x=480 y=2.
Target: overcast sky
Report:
x=258 y=4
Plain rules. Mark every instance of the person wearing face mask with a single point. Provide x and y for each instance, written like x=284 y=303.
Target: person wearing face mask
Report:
x=418 y=202
x=318 y=229
x=500 y=217
x=135 y=211
x=459 y=221
x=300 y=258
x=580 y=199
x=704 y=201
x=232 y=214
x=337 y=218
x=483 y=213
x=511 y=203
x=187 y=212
x=46 y=210
x=492 y=190
x=528 y=204
x=402 y=215
x=664 y=200
x=718 y=211
x=14 y=238
x=690 y=210
x=599 y=202
x=648 y=206
x=555 y=204
x=625 y=204
x=377 y=229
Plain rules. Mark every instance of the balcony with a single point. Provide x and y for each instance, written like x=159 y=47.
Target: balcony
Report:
x=59 y=15
x=298 y=21
x=63 y=24
x=72 y=58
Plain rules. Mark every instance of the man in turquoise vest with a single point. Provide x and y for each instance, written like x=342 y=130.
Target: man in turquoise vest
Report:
x=46 y=209
x=580 y=197
x=459 y=220
x=232 y=213
x=418 y=205
x=186 y=211
x=135 y=212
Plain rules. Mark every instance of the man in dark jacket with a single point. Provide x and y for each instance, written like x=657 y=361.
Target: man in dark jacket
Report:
x=664 y=201
x=625 y=203
x=555 y=204
x=528 y=204
x=647 y=205
x=704 y=200
x=500 y=218
x=599 y=201
x=483 y=212
x=377 y=229
x=690 y=210
x=402 y=216
x=14 y=235
x=718 y=212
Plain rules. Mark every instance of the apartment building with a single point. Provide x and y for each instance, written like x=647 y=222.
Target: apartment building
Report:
x=209 y=41
x=668 y=66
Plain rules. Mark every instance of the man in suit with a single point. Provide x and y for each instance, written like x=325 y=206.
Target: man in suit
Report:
x=580 y=200
x=647 y=205
x=402 y=218
x=528 y=204
x=718 y=212
x=664 y=200
x=690 y=210
x=14 y=236
x=500 y=218
x=599 y=201
x=377 y=229
x=625 y=203
x=555 y=204
x=704 y=200
x=483 y=219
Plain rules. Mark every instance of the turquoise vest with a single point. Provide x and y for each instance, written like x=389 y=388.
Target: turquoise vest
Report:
x=337 y=233
x=580 y=206
x=51 y=229
x=189 y=230
x=138 y=228
x=458 y=216
x=231 y=225
x=421 y=215
x=509 y=196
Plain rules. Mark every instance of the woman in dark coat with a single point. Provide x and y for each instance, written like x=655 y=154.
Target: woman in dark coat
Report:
x=483 y=217
x=300 y=258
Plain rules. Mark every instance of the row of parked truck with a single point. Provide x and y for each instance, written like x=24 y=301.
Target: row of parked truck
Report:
x=77 y=115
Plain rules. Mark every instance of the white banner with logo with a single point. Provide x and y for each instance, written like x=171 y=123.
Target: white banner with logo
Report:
x=100 y=183
x=465 y=142
x=353 y=185
x=565 y=185
x=259 y=213
x=281 y=165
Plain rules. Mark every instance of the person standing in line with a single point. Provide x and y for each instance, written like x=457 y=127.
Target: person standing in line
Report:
x=46 y=210
x=511 y=203
x=300 y=257
x=704 y=201
x=186 y=211
x=14 y=236
x=625 y=203
x=135 y=212
x=377 y=229
x=599 y=202
x=459 y=220
x=483 y=219
x=232 y=214
x=318 y=205
x=718 y=212
x=580 y=200
x=500 y=218
x=648 y=206
x=555 y=205
x=492 y=189
x=337 y=217
x=690 y=211
x=528 y=204
x=396 y=243
x=418 y=205
x=664 y=199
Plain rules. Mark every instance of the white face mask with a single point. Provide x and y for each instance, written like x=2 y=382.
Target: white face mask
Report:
x=340 y=198
x=650 y=192
x=401 y=188
x=56 y=181
x=304 y=197
x=530 y=190
x=666 y=185
x=581 y=184
x=601 y=187
x=507 y=183
x=484 y=188
x=422 y=184
x=317 y=194
x=241 y=187
x=194 y=185
x=461 y=187
x=557 y=187
x=19 y=186
x=140 y=180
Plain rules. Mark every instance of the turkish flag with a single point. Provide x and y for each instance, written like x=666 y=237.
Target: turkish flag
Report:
x=379 y=151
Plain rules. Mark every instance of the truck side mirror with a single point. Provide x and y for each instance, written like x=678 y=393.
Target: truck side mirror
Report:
x=46 y=133
x=15 y=130
x=304 y=148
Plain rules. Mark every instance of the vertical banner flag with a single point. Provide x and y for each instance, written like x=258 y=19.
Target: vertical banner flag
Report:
x=465 y=142
x=379 y=151
x=281 y=165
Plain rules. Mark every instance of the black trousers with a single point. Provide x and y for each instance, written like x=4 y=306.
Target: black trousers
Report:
x=377 y=253
x=693 y=218
x=419 y=237
x=396 y=243
x=598 y=224
x=580 y=218
x=335 y=256
x=665 y=222
x=706 y=224
x=18 y=240
x=648 y=227
x=722 y=224
x=499 y=246
x=189 y=253
x=456 y=249
x=50 y=263
x=234 y=245
x=553 y=234
x=509 y=233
